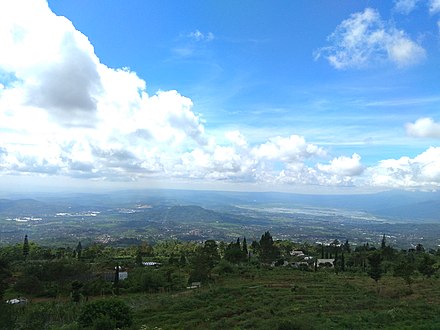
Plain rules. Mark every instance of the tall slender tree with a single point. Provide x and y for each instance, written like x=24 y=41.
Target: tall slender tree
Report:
x=116 y=280
x=25 y=247
x=78 y=250
x=245 y=249
x=383 y=244
x=138 y=259
x=375 y=261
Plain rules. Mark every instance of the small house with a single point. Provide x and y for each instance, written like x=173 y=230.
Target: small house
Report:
x=17 y=301
x=297 y=253
x=151 y=263
x=326 y=263
x=195 y=285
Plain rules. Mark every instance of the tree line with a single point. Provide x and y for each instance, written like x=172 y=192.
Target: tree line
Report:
x=80 y=272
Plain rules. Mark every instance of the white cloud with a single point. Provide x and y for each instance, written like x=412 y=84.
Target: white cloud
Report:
x=64 y=113
x=291 y=149
x=53 y=63
x=193 y=44
x=434 y=6
x=67 y=114
x=343 y=166
x=236 y=138
x=405 y=6
x=422 y=171
x=62 y=100
x=199 y=36
x=364 y=39
x=423 y=128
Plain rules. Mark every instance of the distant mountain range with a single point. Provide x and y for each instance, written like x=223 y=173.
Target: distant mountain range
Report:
x=401 y=205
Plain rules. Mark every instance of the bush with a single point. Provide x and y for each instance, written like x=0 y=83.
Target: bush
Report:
x=224 y=267
x=104 y=323
x=7 y=316
x=101 y=312
x=29 y=284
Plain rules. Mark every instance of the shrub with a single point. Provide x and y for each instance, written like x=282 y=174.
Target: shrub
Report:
x=7 y=316
x=105 y=312
x=104 y=323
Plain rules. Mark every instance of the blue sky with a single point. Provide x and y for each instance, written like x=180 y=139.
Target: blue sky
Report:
x=308 y=96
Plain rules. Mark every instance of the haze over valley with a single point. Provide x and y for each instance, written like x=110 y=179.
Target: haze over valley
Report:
x=130 y=217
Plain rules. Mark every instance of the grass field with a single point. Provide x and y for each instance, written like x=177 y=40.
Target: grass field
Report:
x=280 y=298
x=286 y=299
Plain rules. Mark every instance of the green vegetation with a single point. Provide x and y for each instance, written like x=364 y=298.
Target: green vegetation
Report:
x=106 y=314
x=268 y=284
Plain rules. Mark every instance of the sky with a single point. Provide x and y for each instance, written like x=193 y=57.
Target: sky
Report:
x=302 y=96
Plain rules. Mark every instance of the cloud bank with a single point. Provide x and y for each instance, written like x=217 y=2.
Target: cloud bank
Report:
x=64 y=113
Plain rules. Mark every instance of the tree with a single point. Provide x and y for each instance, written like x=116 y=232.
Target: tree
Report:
x=210 y=252
x=138 y=260
x=116 y=280
x=269 y=252
x=375 y=261
x=383 y=244
x=78 y=250
x=25 y=247
x=346 y=247
x=76 y=286
x=234 y=253
x=426 y=265
x=340 y=263
x=205 y=259
x=420 y=248
x=256 y=248
x=334 y=248
x=182 y=260
x=405 y=269
x=245 y=248
x=5 y=273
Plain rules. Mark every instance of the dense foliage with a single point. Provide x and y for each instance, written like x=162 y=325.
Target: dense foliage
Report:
x=175 y=284
x=105 y=312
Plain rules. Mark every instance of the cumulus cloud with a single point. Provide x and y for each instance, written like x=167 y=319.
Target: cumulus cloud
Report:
x=67 y=89
x=405 y=6
x=291 y=149
x=422 y=171
x=236 y=138
x=64 y=113
x=343 y=166
x=434 y=6
x=365 y=38
x=52 y=62
x=423 y=128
